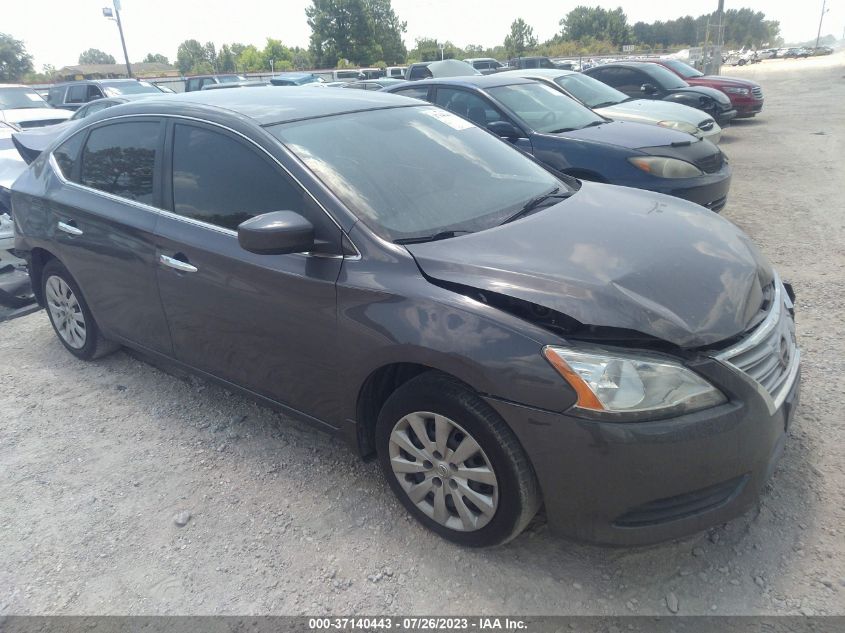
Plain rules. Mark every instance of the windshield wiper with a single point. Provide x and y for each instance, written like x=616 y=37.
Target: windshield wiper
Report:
x=561 y=130
x=593 y=124
x=534 y=203
x=605 y=104
x=442 y=235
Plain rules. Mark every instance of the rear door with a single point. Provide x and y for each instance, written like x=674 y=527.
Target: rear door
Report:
x=264 y=322
x=103 y=219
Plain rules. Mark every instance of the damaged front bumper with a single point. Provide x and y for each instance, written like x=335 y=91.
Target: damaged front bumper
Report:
x=639 y=483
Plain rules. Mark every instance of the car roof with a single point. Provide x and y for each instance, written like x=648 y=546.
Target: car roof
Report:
x=475 y=81
x=293 y=74
x=266 y=105
x=97 y=81
x=551 y=73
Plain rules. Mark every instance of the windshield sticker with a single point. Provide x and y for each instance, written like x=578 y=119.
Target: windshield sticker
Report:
x=452 y=120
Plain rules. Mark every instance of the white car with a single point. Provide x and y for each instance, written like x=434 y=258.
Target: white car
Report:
x=615 y=105
x=24 y=108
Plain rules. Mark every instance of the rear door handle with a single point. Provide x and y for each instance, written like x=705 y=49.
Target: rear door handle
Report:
x=69 y=228
x=177 y=264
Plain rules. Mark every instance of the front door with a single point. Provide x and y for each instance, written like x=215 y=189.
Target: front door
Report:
x=263 y=322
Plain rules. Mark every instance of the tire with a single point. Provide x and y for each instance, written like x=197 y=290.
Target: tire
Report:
x=485 y=499
x=70 y=316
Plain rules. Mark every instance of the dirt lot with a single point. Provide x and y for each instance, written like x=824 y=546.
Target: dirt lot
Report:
x=97 y=459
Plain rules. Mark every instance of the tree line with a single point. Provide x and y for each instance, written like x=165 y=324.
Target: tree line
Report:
x=369 y=33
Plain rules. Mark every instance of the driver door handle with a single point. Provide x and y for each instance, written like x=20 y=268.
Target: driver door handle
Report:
x=177 y=264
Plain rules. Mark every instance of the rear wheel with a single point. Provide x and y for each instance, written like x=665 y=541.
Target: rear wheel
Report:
x=69 y=314
x=454 y=463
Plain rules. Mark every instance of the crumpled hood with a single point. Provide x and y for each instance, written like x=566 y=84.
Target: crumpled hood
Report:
x=24 y=115
x=617 y=257
x=653 y=110
x=628 y=135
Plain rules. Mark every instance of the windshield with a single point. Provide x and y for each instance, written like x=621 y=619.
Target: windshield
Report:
x=129 y=88
x=665 y=77
x=229 y=79
x=545 y=109
x=589 y=91
x=684 y=70
x=417 y=171
x=20 y=99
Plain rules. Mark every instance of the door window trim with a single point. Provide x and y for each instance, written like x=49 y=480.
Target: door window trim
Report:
x=86 y=129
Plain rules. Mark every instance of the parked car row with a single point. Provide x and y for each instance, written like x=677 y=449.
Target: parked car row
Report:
x=423 y=276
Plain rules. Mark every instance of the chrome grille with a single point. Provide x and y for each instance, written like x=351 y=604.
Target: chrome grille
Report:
x=769 y=355
x=757 y=91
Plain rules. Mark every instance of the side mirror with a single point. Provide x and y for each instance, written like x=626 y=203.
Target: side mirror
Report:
x=505 y=129
x=276 y=233
x=649 y=89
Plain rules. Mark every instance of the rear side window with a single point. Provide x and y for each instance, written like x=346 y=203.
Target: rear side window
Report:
x=220 y=180
x=120 y=159
x=67 y=154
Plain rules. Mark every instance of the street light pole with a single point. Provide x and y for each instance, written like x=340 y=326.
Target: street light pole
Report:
x=107 y=12
x=819 y=34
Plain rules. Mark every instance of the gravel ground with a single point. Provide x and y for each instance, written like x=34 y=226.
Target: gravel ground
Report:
x=100 y=463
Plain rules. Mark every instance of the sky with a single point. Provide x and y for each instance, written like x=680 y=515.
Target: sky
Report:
x=56 y=31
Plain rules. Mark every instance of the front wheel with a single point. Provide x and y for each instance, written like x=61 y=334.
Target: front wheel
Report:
x=454 y=463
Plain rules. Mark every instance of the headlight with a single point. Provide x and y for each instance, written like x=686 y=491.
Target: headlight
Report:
x=637 y=385
x=663 y=167
x=737 y=91
x=681 y=126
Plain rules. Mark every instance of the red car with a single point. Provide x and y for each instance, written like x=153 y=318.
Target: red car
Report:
x=746 y=96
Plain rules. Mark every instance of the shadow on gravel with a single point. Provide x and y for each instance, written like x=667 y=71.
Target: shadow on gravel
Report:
x=764 y=536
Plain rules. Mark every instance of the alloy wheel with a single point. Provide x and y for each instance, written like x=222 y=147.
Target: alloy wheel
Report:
x=444 y=471
x=65 y=312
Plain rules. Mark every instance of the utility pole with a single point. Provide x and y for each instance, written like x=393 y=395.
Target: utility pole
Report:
x=819 y=34
x=107 y=12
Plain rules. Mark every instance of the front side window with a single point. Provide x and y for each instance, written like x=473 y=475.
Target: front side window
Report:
x=468 y=105
x=120 y=159
x=454 y=176
x=664 y=78
x=77 y=94
x=221 y=181
x=544 y=108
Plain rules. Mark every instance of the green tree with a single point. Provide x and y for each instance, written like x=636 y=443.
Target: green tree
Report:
x=155 y=58
x=95 y=56
x=226 y=60
x=15 y=62
x=520 y=39
x=279 y=53
x=250 y=60
x=388 y=32
x=360 y=31
x=189 y=54
x=427 y=49
x=583 y=22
